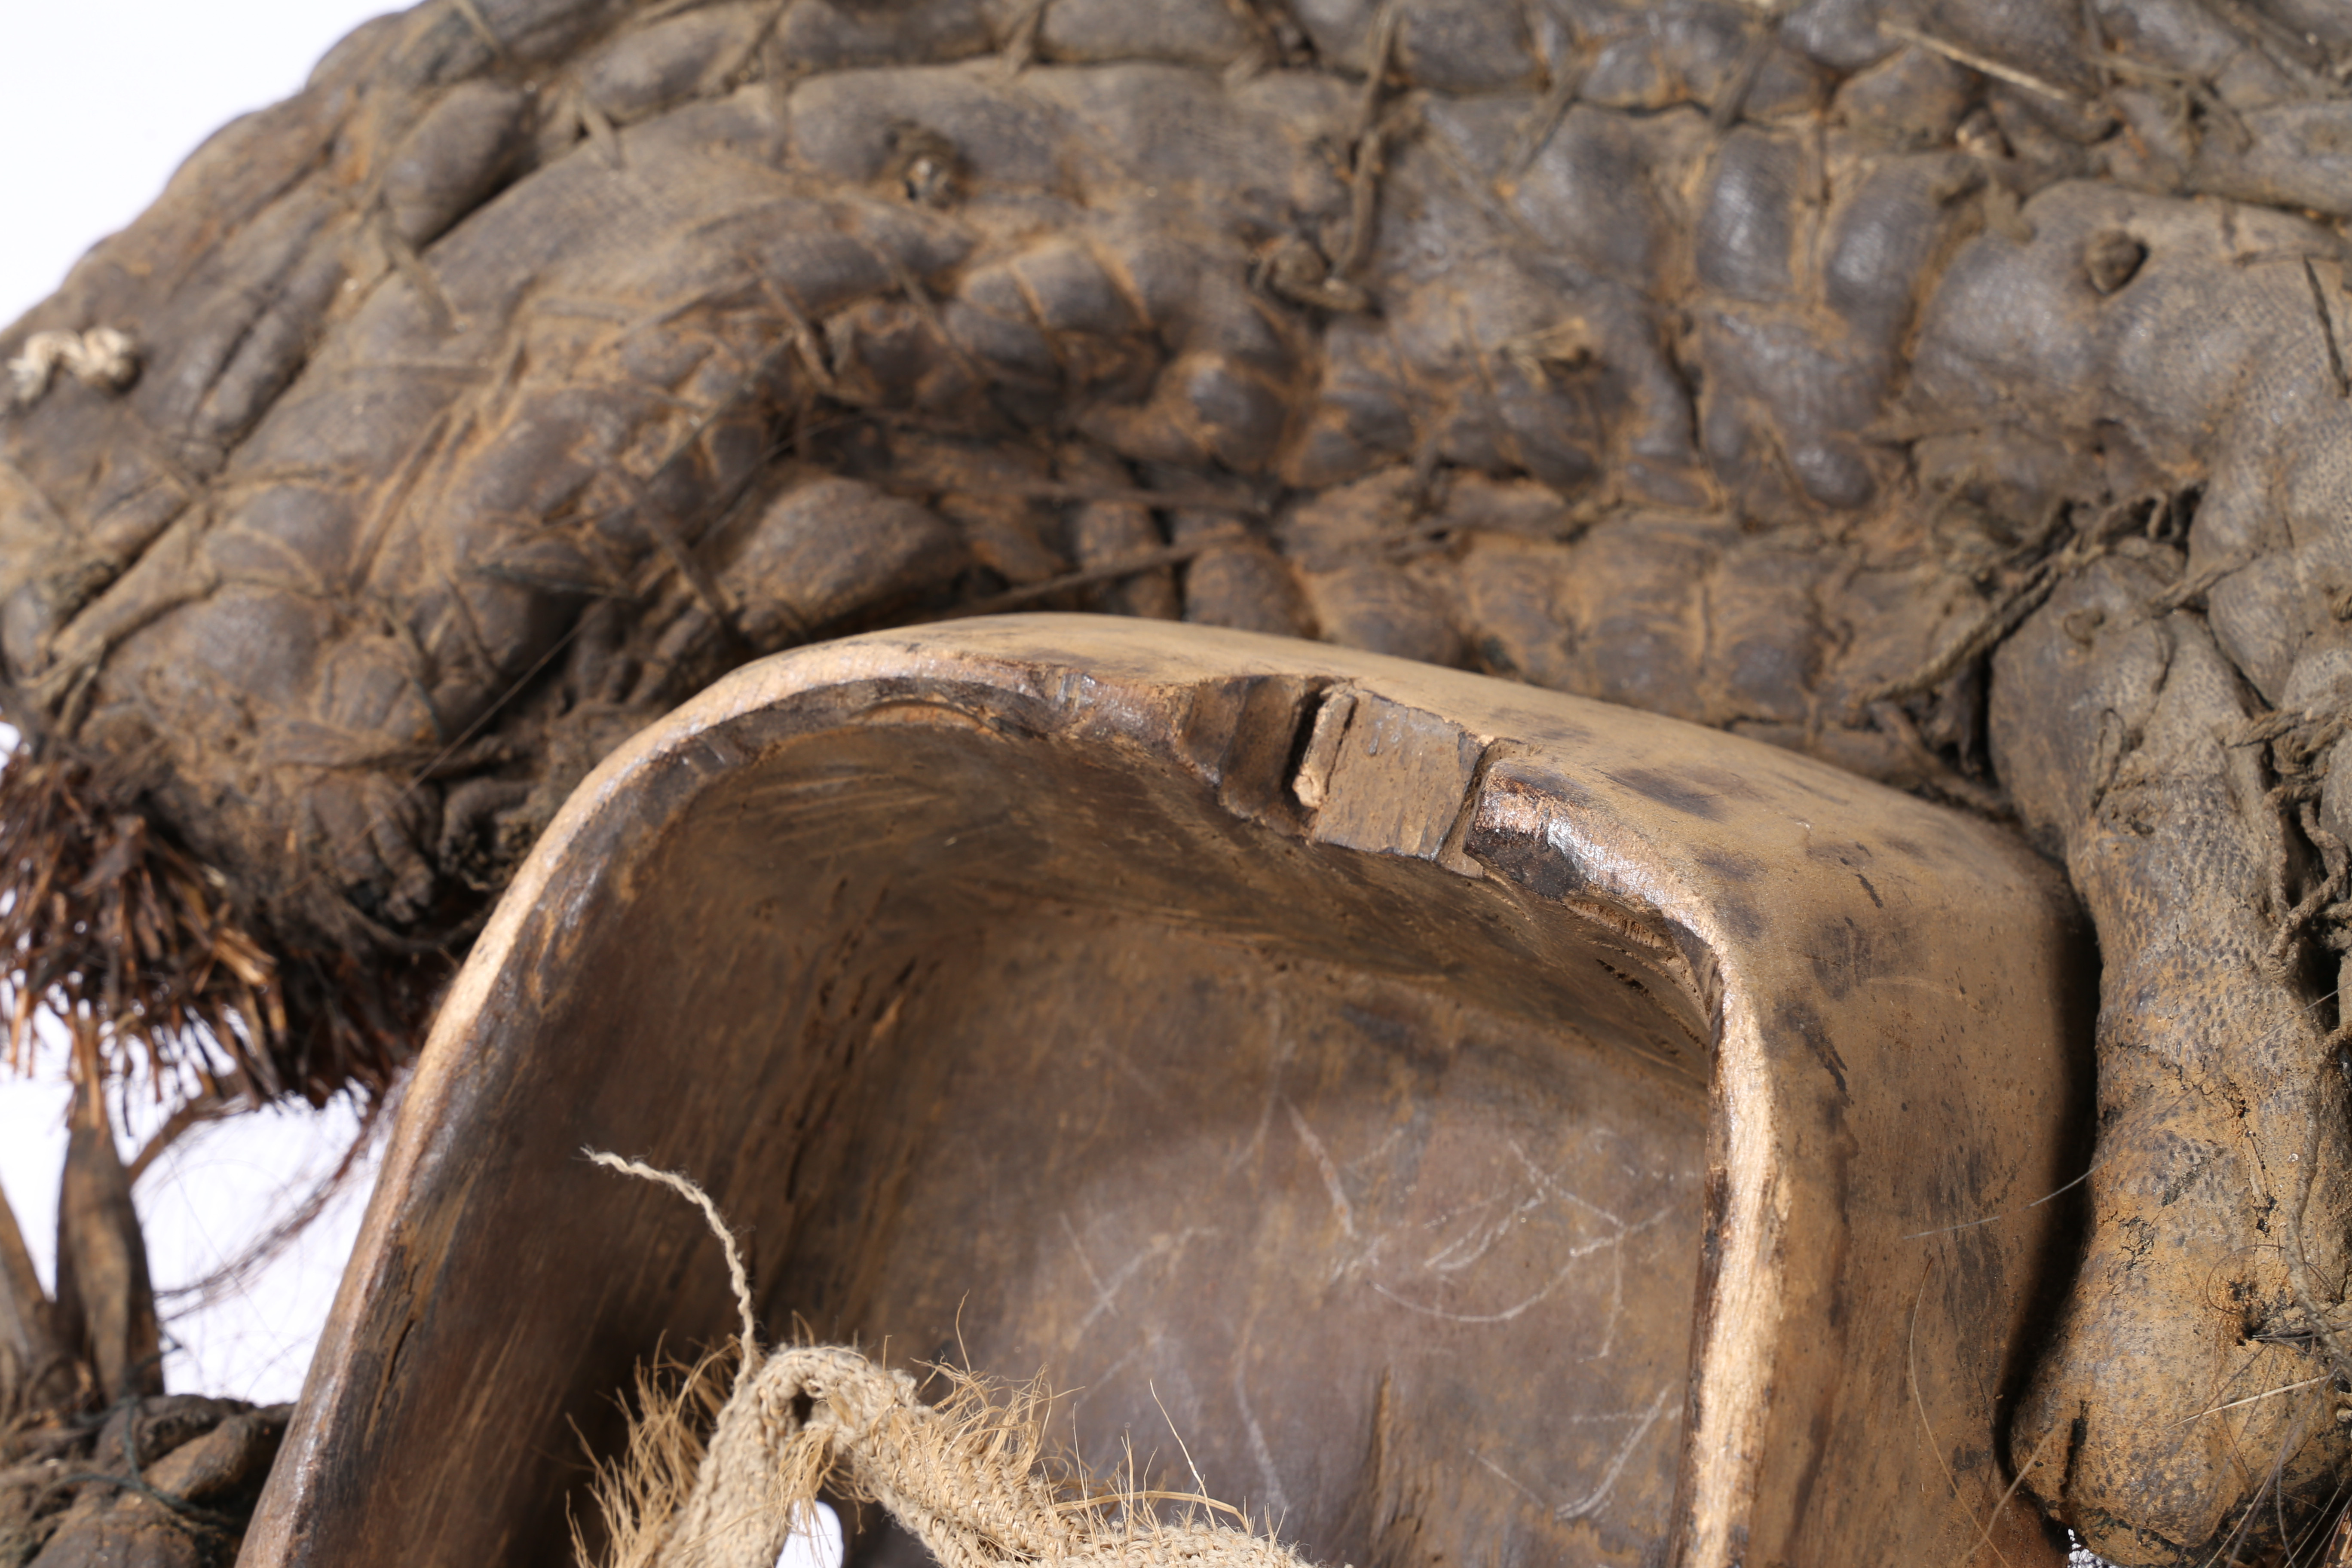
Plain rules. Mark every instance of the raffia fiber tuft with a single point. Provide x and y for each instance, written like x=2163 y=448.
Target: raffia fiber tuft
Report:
x=968 y=1477
x=145 y=951
x=121 y=933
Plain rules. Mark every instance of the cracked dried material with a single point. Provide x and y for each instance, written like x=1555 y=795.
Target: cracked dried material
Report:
x=967 y=1477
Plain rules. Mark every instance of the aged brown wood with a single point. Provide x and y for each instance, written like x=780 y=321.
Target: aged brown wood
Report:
x=104 y=1296
x=1487 y=1125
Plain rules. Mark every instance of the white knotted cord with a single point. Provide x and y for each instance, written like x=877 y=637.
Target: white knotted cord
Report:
x=105 y=358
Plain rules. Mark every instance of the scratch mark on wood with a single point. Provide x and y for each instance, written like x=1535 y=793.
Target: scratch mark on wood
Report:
x=1591 y=1503
x=1278 y=1501
x=1323 y=1163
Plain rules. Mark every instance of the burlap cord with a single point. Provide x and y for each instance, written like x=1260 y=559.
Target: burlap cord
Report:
x=966 y=1478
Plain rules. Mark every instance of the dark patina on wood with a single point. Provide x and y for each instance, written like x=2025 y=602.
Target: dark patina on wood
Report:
x=1492 y=1124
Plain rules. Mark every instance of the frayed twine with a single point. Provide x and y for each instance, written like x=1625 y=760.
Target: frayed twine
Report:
x=104 y=358
x=969 y=1477
x=2302 y=744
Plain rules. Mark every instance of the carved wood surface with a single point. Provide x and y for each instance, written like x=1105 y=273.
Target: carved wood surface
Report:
x=1482 y=1121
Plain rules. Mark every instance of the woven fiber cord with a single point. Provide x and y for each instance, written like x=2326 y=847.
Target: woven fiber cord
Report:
x=963 y=1478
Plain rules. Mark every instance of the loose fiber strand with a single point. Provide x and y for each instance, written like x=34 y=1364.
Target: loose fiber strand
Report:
x=969 y=1477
